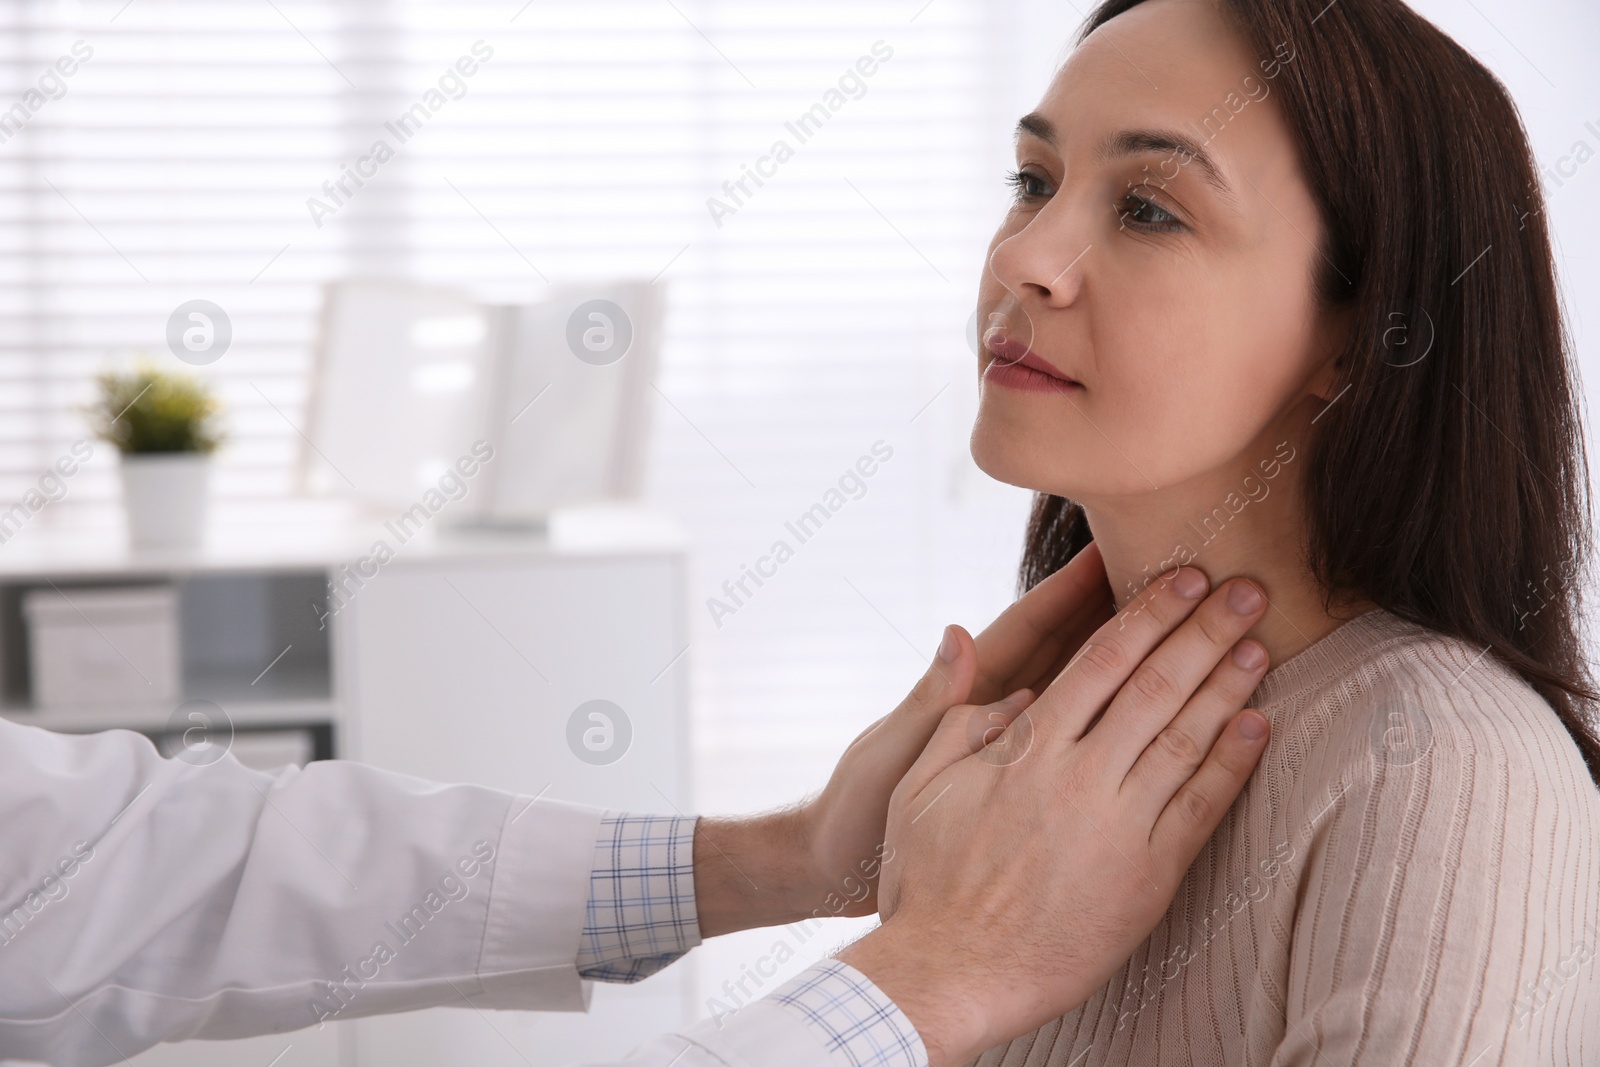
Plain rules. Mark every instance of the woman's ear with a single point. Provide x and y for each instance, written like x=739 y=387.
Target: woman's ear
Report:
x=1328 y=379
x=1333 y=334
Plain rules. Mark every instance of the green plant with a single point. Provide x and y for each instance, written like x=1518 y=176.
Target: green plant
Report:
x=147 y=409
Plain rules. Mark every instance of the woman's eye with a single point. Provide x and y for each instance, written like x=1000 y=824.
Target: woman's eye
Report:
x=1026 y=186
x=1144 y=214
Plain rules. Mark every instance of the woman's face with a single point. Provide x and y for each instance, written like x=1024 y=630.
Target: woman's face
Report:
x=1169 y=291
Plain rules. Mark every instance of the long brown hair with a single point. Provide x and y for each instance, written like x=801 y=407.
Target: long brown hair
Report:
x=1450 y=488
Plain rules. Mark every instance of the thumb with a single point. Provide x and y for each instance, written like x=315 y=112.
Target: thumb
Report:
x=966 y=730
x=888 y=748
x=948 y=681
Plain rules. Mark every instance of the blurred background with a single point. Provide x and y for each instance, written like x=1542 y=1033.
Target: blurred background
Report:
x=816 y=316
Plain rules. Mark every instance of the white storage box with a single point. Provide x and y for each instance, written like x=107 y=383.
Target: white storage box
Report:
x=103 y=646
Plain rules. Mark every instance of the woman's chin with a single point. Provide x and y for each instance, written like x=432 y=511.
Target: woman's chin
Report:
x=1023 y=461
x=1006 y=459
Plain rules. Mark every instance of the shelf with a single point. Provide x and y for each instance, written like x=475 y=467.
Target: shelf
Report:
x=278 y=684
x=299 y=533
x=242 y=637
x=155 y=719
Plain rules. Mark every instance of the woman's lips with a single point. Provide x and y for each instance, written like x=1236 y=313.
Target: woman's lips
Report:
x=1015 y=366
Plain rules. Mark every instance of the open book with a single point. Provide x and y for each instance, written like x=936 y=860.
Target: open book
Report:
x=544 y=403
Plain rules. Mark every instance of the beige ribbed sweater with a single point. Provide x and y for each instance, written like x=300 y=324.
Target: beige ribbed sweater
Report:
x=1412 y=876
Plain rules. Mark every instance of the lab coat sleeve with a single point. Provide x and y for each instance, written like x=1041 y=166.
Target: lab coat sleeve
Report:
x=641 y=915
x=830 y=1015
x=145 y=899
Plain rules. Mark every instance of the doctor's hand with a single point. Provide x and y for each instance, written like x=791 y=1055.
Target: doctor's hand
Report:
x=1036 y=843
x=822 y=857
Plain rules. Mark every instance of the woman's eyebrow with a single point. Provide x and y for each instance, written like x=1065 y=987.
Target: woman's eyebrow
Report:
x=1133 y=142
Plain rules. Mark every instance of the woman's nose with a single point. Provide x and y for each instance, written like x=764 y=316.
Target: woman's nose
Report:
x=1044 y=261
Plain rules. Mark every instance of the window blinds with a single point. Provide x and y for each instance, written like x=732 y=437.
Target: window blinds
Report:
x=814 y=185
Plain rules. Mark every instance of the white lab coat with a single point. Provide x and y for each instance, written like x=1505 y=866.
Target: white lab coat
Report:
x=145 y=899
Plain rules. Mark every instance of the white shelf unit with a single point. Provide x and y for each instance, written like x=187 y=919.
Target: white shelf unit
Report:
x=248 y=640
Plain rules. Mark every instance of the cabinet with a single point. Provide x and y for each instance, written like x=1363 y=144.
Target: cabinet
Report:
x=479 y=658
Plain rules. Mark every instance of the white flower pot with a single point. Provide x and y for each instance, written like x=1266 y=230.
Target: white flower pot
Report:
x=164 y=495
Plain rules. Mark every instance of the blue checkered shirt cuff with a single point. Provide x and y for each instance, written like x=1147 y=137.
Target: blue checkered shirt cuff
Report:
x=852 y=1017
x=641 y=913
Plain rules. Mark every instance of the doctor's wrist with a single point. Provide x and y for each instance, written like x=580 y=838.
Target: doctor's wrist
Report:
x=751 y=871
x=938 y=989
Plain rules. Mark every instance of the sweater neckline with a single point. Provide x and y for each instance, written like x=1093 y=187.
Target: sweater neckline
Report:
x=1323 y=659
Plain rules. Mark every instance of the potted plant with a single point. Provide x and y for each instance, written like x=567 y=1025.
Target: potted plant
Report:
x=164 y=426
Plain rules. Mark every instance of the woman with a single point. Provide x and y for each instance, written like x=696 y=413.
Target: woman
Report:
x=1275 y=296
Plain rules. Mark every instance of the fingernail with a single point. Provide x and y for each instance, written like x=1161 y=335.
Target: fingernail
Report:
x=1244 y=598
x=1190 y=583
x=949 y=647
x=1249 y=655
x=1252 y=725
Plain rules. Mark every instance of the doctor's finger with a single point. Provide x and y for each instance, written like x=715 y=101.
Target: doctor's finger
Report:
x=1194 y=811
x=1176 y=753
x=1043 y=669
x=1113 y=653
x=1033 y=632
x=948 y=681
x=1185 y=660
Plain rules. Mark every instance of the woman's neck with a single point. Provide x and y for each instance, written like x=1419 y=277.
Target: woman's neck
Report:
x=1249 y=522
